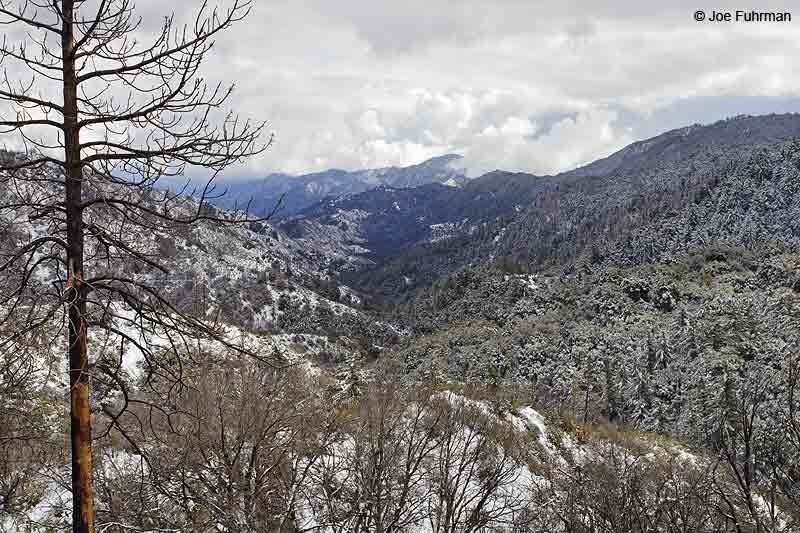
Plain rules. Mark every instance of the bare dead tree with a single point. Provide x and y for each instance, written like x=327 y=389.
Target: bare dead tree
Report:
x=98 y=118
x=236 y=453
x=378 y=481
x=475 y=474
x=627 y=487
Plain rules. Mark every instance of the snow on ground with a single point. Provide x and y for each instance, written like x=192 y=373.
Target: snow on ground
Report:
x=530 y=420
x=529 y=280
x=447 y=230
x=56 y=499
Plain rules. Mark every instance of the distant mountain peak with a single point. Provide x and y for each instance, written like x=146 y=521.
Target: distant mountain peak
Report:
x=299 y=192
x=442 y=159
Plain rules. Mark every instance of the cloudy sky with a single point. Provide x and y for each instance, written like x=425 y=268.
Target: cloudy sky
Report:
x=527 y=85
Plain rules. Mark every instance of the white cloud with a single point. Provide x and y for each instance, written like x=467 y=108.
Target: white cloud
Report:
x=569 y=143
x=512 y=84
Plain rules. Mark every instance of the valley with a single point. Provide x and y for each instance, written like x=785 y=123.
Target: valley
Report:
x=635 y=309
x=398 y=267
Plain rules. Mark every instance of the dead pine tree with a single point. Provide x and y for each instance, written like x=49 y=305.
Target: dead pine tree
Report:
x=94 y=118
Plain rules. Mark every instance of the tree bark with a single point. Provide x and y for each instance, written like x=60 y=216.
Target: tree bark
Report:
x=80 y=411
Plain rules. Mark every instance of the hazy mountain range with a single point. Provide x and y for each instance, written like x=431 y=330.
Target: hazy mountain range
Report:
x=296 y=193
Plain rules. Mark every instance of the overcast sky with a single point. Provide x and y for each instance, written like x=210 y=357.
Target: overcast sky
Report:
x=526 y=85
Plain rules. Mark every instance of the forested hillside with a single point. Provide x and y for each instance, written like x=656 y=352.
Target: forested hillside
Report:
x=742 y=195
x=385 y=221
x=599 y=353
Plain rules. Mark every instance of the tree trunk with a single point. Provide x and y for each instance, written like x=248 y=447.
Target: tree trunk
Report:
x=80 y=411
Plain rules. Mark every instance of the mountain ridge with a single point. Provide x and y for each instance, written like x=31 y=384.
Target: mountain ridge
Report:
x=513 y=215
x=739 y=130
x=290 y=194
